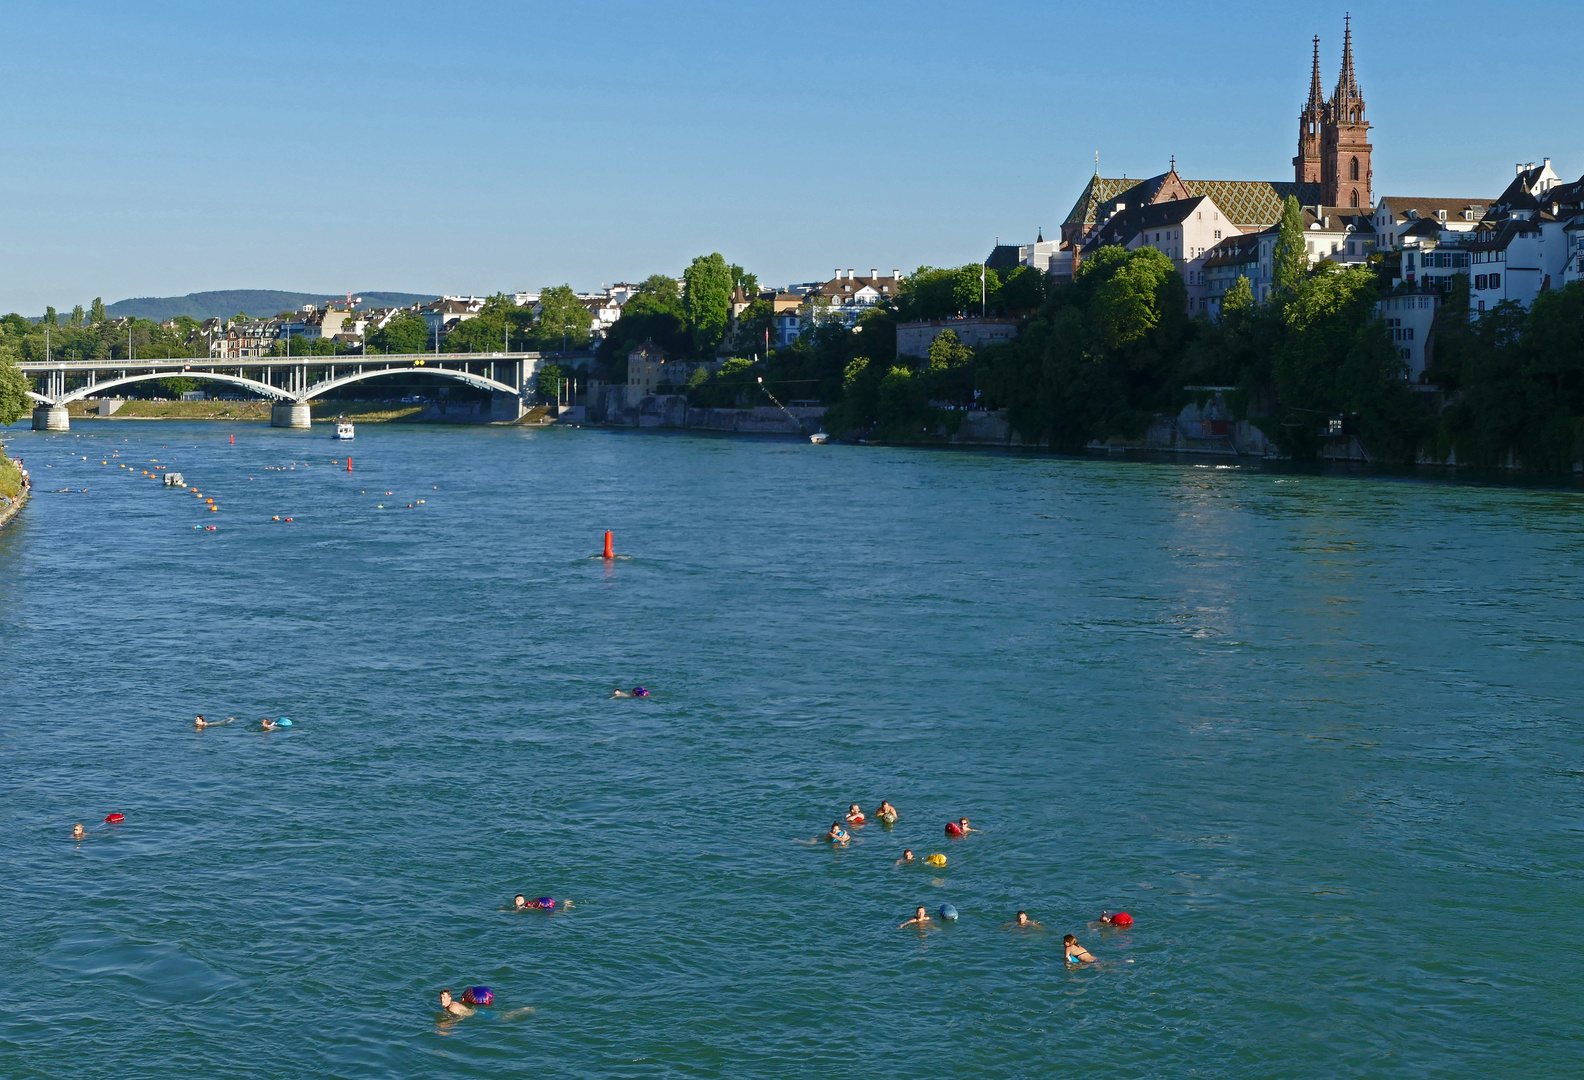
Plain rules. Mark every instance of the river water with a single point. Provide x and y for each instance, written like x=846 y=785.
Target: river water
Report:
x=1319 y=734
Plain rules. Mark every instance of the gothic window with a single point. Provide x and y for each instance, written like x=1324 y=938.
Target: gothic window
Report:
x=1353 y=172
x=1355 y=198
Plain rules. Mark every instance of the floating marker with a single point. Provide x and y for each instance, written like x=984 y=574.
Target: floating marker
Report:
x=610 y=544
x=233 y=440
x=349 y=463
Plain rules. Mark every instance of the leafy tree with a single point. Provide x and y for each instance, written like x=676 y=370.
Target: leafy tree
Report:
x=77 y=315
x=563 y=320
x=1023 y=291
x=931 y=293
x=14 y=387
x=1239 y=298
x=753 y=326
x=706 y=300
x=405 y=333
x=96 y=313
x=733 y=384
x=748 y=283
x=549 y=381
x=1290 y=260
x=50 y=318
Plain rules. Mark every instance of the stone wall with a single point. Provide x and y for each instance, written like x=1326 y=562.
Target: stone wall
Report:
x=914 y=338
x=673 y=411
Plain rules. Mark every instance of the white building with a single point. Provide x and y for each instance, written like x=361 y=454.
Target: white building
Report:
x=1184 y=230
x=1409 y=318
x=847 y=296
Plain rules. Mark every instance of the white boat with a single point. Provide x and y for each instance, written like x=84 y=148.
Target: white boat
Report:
x=819 y=438
x=344 y=429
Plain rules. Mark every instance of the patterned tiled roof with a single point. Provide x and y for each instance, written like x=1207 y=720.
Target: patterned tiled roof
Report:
x=1246 y=202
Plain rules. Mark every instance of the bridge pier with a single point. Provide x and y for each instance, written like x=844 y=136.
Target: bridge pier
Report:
x=506 y=408
x=51 y=418
x=294 y=414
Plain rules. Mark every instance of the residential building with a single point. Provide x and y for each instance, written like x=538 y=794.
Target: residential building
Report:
x=1409 y=318
x=1004 y=258
x=786 y=325
x=443 y=314
x=1396 y=214
x=246 y=339
x=650 y=371
x=1184 y=229
x=847 y=296
x=1236 y=256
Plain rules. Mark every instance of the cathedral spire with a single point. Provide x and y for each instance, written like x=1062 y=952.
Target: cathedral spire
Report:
x=1316 y=95
x=1347 y=88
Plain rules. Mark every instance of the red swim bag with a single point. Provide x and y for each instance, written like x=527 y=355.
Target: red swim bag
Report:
x=1121 y=918
x=953 y=829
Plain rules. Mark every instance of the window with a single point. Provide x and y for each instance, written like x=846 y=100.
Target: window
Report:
x=1410 y=333
x=1495 y=281
x=1353 y=172
x=1424 y=301
x=1218 y=236
x=1355 y=198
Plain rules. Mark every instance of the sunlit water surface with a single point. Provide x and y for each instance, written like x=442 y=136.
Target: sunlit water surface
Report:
x=1319 y=734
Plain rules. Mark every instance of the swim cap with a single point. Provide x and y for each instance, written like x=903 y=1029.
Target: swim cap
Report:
x=115 y=819
x=1121 y=918
x=948 y=913
x=478 y=995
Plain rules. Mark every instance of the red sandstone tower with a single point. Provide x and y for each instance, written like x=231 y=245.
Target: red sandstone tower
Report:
x=1345 y=173
x=1306 y=166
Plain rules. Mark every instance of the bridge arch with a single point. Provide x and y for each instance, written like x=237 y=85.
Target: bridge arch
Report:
x=478 y=382
x=235 y=380
x=40 y=398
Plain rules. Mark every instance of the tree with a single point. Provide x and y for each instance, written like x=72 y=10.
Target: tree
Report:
x=1290 y=261
x=1239 y=298
x=706 y=300
x=748 y=283
x=548 y=382
x=563 y=320
x=405 y=333
x=931 y=293
x=77 y=315
x=50 y=318
x=14 y=387
x=96 y=314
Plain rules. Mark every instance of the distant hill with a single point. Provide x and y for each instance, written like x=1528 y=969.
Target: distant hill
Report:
x=257 y=302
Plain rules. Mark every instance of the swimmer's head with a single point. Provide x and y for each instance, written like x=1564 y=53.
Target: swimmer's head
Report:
x=963 y=822
x=1022 y=918
x=445 y=999
x=519 y=901
x=921 y=913
x=77 y=830
x=907 y=853
x=1069 y=940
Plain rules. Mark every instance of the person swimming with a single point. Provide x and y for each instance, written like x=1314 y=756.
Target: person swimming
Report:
x=636 y=691
x=543 y=903
x=78 y=832
x=1121 y=918
x=907 y=857
x=1023 y=922
x=1075 y=953
x=921 y=918
x=855 y=815
x=199 y=722
x=887 y=814
x=454 y=1008
x=267 y=724
x=959 y=828
x=837 y=834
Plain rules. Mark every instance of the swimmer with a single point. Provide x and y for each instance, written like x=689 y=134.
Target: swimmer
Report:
x=959 y=828
x=837 y=834
x=267 y=724
x=920 y=919
x=620 y=693
x=887 y=814
x=78 y=832
x=1121 y=918
x=199 y=722
x=543 y=903
x=1075 y=953
x=855 y=815
x=1023 y=922
x=454 y=1008
x=907 y=857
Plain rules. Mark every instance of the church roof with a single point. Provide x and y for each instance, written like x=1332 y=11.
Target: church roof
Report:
x=1245 y=202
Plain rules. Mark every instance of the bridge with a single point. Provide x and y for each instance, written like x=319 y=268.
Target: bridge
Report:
x=291 y=382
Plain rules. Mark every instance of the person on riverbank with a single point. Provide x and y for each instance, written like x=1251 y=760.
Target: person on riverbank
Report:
x=887 y=814
x=959 y=828
x=907 y=857
x=855 y=815
x=1075 y=953
x=921 y=918
x=1022 y=922
x=453 y=1008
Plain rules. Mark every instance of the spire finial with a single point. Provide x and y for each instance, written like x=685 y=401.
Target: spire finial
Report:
x=1347 y=82
x=1174 y=163
x=1097 y=163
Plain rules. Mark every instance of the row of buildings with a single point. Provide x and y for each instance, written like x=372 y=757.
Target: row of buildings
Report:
x=1513 y=245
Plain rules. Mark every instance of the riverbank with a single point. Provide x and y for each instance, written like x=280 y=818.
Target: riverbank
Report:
x=13 y=492
x=362 y=412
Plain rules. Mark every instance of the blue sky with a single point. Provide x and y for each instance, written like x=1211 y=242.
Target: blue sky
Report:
x=159 y=149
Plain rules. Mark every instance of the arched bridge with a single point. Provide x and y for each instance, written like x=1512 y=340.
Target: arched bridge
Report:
x=292 y=382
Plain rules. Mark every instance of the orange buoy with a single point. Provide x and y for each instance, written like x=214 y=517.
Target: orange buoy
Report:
x=610 y=545
x=233 y=440
x=349 y=463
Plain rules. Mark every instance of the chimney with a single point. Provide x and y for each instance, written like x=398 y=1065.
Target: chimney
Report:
x=849 y=273
x=1548 y=163
x=897 y=274
x=874 y=272
x=838 y=273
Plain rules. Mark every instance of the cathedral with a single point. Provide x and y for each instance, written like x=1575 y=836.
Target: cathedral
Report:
x=1331 y=173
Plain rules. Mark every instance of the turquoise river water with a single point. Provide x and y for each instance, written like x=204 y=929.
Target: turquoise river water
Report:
x=1320 y=734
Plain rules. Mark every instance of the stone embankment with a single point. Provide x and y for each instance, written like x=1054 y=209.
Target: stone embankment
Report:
x=673 y=411
x=13 y=490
